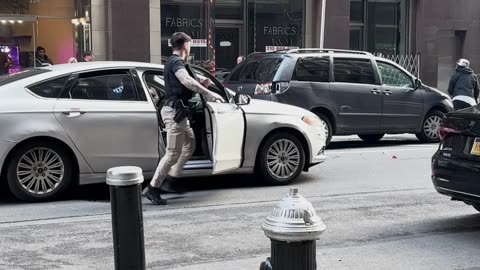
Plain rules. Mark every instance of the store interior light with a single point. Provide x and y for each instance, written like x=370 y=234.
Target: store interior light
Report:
x=11 y=21
x=19 y=21
x=4 y=21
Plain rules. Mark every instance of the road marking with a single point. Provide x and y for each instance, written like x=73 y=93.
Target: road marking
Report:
x=384 y=150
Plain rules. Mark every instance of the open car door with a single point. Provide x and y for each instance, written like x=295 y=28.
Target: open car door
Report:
x=227 y=124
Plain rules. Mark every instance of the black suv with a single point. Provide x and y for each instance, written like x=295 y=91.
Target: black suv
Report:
x=353 y=92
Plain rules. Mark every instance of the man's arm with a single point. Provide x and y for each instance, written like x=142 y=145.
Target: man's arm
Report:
x=190 y=83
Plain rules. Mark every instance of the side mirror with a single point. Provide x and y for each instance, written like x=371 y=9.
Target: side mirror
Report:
x=418 y=83
x=241 y=99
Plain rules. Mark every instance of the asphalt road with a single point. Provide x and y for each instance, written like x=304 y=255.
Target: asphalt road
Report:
x=377 y=201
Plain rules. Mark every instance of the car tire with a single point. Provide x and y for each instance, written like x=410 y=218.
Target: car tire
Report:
x=476 y=206
x=46 y=169
x=371 y=138
x=430 y=125
x=328 y=126
x=281 y=159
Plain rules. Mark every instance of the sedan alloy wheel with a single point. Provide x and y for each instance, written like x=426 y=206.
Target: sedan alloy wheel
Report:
x=40 y=170
x=281 y=159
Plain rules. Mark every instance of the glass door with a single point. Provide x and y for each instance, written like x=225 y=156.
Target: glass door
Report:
x=227 y=46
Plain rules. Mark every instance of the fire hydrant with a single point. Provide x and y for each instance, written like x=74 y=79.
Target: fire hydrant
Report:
x=293 y=228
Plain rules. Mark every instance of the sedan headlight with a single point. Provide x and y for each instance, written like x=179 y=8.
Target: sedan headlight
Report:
x=313 y=121
x=318 y=124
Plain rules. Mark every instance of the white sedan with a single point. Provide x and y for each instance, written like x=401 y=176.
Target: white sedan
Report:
x=65 y=125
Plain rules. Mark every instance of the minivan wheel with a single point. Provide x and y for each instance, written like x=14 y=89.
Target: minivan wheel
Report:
x=328 y=125
x=430 y=126
x=371 y=138
x=39 y=171
x=281 y=159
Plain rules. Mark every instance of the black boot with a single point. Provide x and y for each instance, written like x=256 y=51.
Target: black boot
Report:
x=170 y=185
x=153 y=194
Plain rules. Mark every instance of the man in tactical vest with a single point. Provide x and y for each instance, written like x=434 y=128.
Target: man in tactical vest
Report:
x=179 y=88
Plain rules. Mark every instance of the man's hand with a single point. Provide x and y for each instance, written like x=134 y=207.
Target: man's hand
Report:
x=214 y=97
x=196 y=86
x=206 y=83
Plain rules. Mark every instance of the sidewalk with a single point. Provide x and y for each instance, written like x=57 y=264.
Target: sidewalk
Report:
x=429 y=252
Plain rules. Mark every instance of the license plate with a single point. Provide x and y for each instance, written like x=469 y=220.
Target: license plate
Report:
x=476 y=147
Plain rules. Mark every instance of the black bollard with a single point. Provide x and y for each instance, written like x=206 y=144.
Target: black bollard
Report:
x=127 y=217
x=293 y=228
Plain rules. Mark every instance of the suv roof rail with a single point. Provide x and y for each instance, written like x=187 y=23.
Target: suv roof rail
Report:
x=313 y=50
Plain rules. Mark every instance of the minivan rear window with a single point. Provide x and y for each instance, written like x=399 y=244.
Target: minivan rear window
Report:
x=256 y=70
x=10 y=78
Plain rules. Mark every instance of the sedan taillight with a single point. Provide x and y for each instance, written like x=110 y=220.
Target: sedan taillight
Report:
x=444 y=131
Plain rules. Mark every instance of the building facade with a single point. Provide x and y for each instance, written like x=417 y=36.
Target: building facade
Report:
x=437 y=31
x=59 y=26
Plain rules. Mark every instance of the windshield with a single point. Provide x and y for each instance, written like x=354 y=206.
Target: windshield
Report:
x=256 y=70
x=10 y=78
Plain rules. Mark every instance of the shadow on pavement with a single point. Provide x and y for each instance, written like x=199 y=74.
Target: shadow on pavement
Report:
x=464 y=223
x=100 y=192
x=352 y=144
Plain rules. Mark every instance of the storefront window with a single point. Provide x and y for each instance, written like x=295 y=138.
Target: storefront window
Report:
x=229 y=9
x=229 y=32
x=275 y=24
x=187 y=16
x=384 y=26
x=356 y=11
x=26 y=25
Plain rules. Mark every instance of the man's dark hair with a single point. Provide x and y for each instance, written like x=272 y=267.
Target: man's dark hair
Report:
x=87 y=53
x=179 y=39
x=40 y=48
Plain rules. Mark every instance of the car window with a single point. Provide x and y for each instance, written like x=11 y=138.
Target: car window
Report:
x=49 y=89
x=256 y=70
x=156 y=87
x=312 y=69
x=393 y=76
x=351 y=70
x=10 y=78
x=105 y=85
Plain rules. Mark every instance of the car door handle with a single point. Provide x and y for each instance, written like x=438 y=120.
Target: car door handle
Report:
x=376 y=91
x=387 y=92
x=73 y=113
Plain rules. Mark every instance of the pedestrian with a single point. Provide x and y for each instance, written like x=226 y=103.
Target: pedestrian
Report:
x=240 y=59
x=179 y=88
x=72 y=60
x=41 y=57
x=88 y=56
x=463 y=86
x=4 y=63
x=209 y=66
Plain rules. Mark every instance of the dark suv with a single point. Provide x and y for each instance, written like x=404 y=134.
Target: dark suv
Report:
x=353 y=92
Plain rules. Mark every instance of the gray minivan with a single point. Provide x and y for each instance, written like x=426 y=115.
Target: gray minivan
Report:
x=353 y=92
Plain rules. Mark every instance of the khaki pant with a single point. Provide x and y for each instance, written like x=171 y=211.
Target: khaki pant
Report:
x=180 y=147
